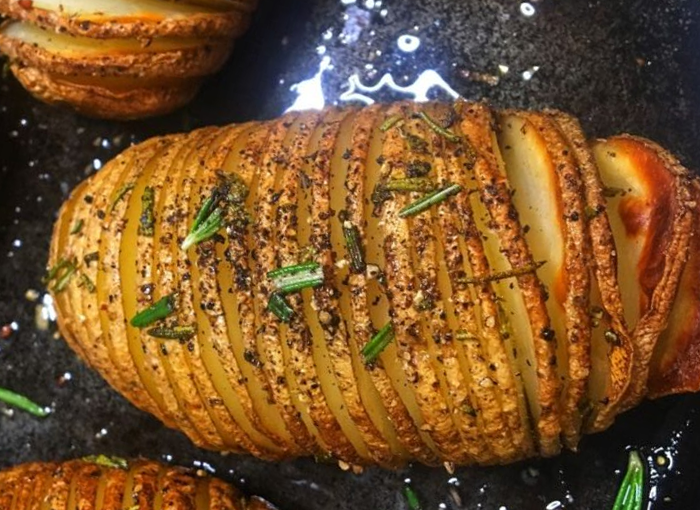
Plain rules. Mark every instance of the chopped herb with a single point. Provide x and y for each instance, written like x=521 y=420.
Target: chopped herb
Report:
x=611 y=191
x=415 y=142
x=612 y=338
x=21 y=402
x=502 y=275
x=224 y=208
x=107 y=461
x=630 y=496
x=444 y=132
x=469 y=409
x=464 y=336
x=380 y=194
x=172 y=333
x=85 y=281
x=279 y=306
x=354 y=248
x=121 y=193
x=147 y=219
x=590 y=212
x=418 y=168
x=77 y=227
x=61 y=274
x=390 y=123
x=411 y=498
x=157 y=311
x=288 y=280
x=91 y=257
x=430 y=200
x=377 y=344
x=421 y=184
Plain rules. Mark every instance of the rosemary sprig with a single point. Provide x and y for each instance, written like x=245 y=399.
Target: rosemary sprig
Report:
x=354 y=248
x=430 y=200
x=422 y=184
x=61 y=274
x=85 y=281
x=411 y=498
x=172 y=333
x=444 y=132
x=206 y=229
x=279 y=306
x=77 y=227
x=157 y=311
x=23 y=403
x=107 y=461
x=121 y=193
x=147 y=218
x=377 y=344
x=297 y=277
x=630 y=496
x=390 y=123
x=502 y=275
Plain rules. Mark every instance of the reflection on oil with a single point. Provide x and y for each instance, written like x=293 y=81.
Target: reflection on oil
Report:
x=419 y=89
x=310 y=92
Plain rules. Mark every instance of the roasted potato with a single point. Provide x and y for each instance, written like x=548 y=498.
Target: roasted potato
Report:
x=438 y=283
x=107 y=483
x=120 y=60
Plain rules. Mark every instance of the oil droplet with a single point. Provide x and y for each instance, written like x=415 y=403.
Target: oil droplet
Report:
x=529 y=73
x=408 y=43
x=527 y=9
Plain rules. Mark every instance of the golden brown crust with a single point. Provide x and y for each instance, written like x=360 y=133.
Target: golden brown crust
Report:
x=100 y=101
x=149 y=486
x=230 y=23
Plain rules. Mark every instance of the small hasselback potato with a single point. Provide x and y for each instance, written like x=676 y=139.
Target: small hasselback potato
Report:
x=440 y=283
x=107 y=483
x=119 y=60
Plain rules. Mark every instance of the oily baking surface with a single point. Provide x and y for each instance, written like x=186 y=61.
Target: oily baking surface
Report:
x=617 y=65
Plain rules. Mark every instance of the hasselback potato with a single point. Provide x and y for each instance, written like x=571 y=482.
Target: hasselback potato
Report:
x=115 y=59
x=106 y=483
x=441 y=283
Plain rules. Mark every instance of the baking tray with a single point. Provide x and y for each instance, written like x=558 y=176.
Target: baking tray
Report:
x=620 y=66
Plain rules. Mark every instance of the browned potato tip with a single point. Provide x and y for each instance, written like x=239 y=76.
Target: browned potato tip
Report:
x=108 y=483
x=119 y=60
x=436 y=283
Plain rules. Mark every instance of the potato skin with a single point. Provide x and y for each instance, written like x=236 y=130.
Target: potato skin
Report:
x=448 y=388
x=155 y=487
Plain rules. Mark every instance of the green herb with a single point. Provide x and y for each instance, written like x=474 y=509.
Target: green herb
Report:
x=444 y=132
x=430 y=200
x=611 y=191
x=469 y=410
x=390 y=123
x=411 y=498
x=77 y=227
x=157 y=311
x=415 y=142
x=418 y=168
x=354 y=248
x=502 y=275
x=411 y=184
x=85 y=281
x=6 y=68
x=121 y=193
x=464 y=336
x=377 y=344
x=590 y=212
x=147 y=219
x=61 y=274
x=106 y=461
x=297 y=277
x=224 y=208
x=279 y=306
x=630 y=496
x=173 y=333
x=22 y=402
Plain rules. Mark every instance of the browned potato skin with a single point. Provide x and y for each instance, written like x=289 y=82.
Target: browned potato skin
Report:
x=229 y=23
x=302 y=386
x=103 y=102
x=156 y=487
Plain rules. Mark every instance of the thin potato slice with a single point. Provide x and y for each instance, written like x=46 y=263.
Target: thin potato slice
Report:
x=104 y=19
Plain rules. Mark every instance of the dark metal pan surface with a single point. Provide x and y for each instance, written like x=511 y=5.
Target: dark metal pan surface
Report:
x=619 y=65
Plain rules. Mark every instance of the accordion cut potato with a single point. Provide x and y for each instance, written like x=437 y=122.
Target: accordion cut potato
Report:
x=119 y=60
x=103 y=483
x=527 y=305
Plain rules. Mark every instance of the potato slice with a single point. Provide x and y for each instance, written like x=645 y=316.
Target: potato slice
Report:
x=649 y=206
x=104 y=19
x=164 y=57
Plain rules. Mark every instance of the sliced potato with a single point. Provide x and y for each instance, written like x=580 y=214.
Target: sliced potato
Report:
x=509 y=303
x=94 y=484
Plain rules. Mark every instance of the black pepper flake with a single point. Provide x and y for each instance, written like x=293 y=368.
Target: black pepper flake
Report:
x=252 y=358
x=547 y=334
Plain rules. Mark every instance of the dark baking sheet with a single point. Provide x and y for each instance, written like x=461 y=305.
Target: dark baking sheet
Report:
x=618 y=65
